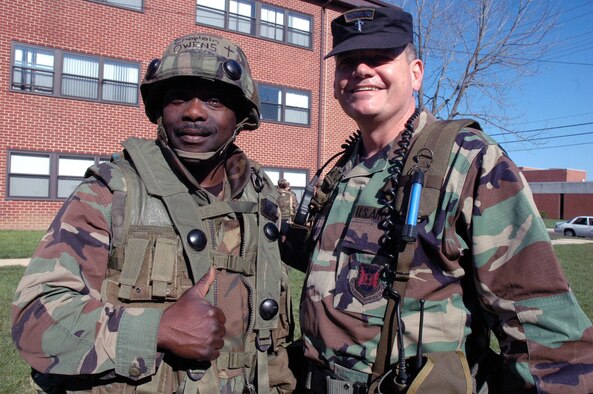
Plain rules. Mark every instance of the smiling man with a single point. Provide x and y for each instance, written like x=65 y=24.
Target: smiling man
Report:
x=161 y=273
x=425 y=240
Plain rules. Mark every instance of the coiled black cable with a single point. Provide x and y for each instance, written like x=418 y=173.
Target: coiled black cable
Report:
x=388 y=243
x=389 y=210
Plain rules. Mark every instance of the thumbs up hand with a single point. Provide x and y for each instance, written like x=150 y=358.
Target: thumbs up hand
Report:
x=193 y=328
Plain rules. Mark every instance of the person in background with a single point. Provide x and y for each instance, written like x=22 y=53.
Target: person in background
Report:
x=428 y=240
x=287 y=201
x=161 y=273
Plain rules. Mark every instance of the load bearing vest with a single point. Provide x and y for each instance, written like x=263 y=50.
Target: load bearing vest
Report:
x=155 y=217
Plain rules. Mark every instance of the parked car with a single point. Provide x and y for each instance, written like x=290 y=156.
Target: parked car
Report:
x=581 y=226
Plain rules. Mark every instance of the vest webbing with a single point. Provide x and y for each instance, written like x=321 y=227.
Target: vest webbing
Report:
x=187 y=213
x=439 y=137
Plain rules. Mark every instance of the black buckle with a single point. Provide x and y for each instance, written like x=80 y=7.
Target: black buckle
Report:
x=359 y=388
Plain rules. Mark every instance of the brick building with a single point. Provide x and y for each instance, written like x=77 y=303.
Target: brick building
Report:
x=560 y=193
x=71 y=70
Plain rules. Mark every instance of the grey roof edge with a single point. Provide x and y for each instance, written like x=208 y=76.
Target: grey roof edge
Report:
x=561 y=187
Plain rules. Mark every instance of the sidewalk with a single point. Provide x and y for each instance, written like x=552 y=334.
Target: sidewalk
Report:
x=558 y=239
x=7 y=262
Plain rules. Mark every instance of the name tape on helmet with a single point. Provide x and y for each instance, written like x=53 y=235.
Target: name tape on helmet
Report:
x=204 y=43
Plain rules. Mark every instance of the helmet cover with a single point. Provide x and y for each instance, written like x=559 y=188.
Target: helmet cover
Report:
x=204 y=56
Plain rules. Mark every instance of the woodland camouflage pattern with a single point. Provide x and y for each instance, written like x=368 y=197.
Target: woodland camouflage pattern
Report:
x=488 y=220
x=61 y=325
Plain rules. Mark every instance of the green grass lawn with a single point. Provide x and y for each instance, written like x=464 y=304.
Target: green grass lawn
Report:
x=14 y=372
x=576 y=261
x=16 y=244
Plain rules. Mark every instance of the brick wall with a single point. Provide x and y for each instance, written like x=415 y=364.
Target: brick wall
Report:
x=31 y=122
x=548 y=205
x=578 y=205
x=554 y=175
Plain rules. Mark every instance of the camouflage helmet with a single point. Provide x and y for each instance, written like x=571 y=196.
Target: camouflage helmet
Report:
x=204 y=56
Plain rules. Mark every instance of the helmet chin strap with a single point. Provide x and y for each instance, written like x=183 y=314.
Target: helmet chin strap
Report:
x=198 y=157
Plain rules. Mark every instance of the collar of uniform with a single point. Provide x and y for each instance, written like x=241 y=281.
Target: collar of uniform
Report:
x=236 y=169
x=365 y=167
x=378 y=162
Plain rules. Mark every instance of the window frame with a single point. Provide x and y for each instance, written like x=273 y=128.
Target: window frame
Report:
x=114 y=3
x=53 y=177
x=283 y=106
x=58 y=74
x=257 y=21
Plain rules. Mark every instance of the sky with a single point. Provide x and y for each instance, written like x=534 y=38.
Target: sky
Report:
x=559 y=99
x=553 y=108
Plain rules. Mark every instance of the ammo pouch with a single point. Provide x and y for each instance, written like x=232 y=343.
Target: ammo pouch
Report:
x=441 y=372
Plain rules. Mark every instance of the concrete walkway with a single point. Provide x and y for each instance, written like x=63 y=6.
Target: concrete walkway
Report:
x=556 y=241
x=7 y=262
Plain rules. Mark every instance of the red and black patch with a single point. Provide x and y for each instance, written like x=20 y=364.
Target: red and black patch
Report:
x=367 y=286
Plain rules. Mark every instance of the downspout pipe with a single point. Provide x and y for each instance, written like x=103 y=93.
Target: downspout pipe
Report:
x=320 y=124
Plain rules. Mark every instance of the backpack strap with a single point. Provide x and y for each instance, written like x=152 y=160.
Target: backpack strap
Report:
x=439 y=137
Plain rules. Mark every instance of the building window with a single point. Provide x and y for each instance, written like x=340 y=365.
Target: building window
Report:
x=272 y=23
x=33 y=70
x=120 y=82
x=297 y=178
x=131 y=4
x=299 y=30
x=80 y=77
x=67 y=74
x=236 y=15
x=243 y=16
x=46 y=175
x=285 y=105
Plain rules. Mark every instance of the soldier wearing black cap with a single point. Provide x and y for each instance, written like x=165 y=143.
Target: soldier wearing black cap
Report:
x=425 y=239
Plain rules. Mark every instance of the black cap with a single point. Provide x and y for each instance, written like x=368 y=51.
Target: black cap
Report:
x=371 y=28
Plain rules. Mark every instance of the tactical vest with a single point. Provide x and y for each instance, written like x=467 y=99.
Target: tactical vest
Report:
x=164 y=239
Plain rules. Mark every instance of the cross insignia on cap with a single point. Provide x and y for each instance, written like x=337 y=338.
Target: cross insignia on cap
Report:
x=358 y=16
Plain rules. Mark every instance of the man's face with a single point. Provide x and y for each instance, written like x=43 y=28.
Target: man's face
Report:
x=197 y=115
x=375 y=85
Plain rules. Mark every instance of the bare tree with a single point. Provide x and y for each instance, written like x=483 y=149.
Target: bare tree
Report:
x=476 y=52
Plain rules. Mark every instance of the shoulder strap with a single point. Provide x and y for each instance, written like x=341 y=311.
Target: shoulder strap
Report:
x=121 y=213
x=439 y=137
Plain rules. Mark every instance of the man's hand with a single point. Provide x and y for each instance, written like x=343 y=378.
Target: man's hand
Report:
x=193 y=328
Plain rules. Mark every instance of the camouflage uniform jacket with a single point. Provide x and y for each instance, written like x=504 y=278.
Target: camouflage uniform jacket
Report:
x=484 y=255
x=66 y=321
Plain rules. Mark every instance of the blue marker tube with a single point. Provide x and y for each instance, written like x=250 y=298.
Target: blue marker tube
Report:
x=410 y=230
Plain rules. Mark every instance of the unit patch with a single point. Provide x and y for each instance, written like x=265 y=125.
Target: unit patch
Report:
x=367 y=286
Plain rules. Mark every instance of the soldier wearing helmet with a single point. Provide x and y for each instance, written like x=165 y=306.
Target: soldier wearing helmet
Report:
x=162 y=273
